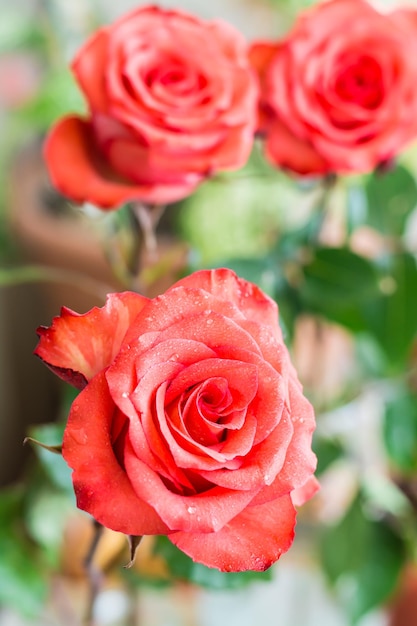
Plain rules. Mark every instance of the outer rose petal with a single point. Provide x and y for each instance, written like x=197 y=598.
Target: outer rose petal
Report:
x=88 y=69
x=261 y=54
x=253 y=540
x=300 y=495
x=78 y=170
x=293 y=153
x=76 y=347
x=100 y=483
x=225 y=285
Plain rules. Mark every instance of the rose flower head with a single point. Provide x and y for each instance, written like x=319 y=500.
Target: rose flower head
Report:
x=191 y=421
x=172 y=99
x=339 y=93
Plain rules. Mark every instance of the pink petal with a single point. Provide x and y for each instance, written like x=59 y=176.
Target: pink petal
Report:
x=300 y=495
x=253 y=540
x=89 y=67
x=101 y=485
x=226 y=286
x=286 y=150
x=78 y=169
x=203 y=512
x=261 y=54
x=76 y=347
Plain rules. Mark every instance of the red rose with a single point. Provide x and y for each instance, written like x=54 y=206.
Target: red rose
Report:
x=171 y=98
x=191 y=422
x=339 y=94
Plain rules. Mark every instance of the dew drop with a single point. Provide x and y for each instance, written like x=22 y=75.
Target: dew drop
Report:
x=209 y=321
x=125 y=394
x=80 y=436
x=192 y=510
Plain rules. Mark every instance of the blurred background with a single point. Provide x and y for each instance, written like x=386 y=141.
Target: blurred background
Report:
x=352 y=561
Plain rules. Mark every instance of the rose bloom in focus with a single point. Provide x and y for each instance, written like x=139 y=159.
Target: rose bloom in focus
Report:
x=172 y=100
x=191 y=421
x=339 y=93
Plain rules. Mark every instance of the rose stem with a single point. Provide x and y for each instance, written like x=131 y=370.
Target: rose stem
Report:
x=148 y=218
x=94 y=575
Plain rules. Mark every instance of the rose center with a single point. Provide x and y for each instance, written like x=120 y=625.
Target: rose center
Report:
x=207 y=411
x=173 y=77
x=361 y=82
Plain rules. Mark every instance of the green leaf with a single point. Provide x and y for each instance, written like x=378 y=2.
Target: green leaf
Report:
x=23 y=585
x=53 y=464
x=362 y=559
x=327 y=451
x=182 y=567
x=400 y=430
x=337 y=282
x=18 y=30
x=59 y=94
x=23 y=581
x=46 y=515
x=391 y=317
x=391 y=196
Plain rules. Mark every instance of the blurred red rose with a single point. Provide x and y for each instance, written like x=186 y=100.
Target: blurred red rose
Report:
x=171 y=99
x=339 y=93
x=191 y=421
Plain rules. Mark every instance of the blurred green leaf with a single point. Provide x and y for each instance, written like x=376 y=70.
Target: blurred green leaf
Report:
x=53 y=464
x=46 y=515
x=182 y=567
x=327 y=451
x=59 y=96
x=385 y=495
x=23 y=582
x=400 y=430
x=362 y=559
x=391 y=196
x=391 y=317
x=18 y=30
x=337 y=282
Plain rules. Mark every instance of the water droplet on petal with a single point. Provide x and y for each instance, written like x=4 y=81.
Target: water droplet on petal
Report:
x=125 y=394
x=192 y=510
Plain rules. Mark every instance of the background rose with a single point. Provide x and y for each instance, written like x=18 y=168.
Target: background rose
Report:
x=339 y=92
x=191 y=423
x=172 y=99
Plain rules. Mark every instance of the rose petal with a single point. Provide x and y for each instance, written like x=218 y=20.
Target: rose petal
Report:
x=101 y=485
x=78 y=170
x=89 y=69
x=205 y=512
x=76 y=347
x=293 y=153
x=226 y=286
x=300 y=495
x=253 y=540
